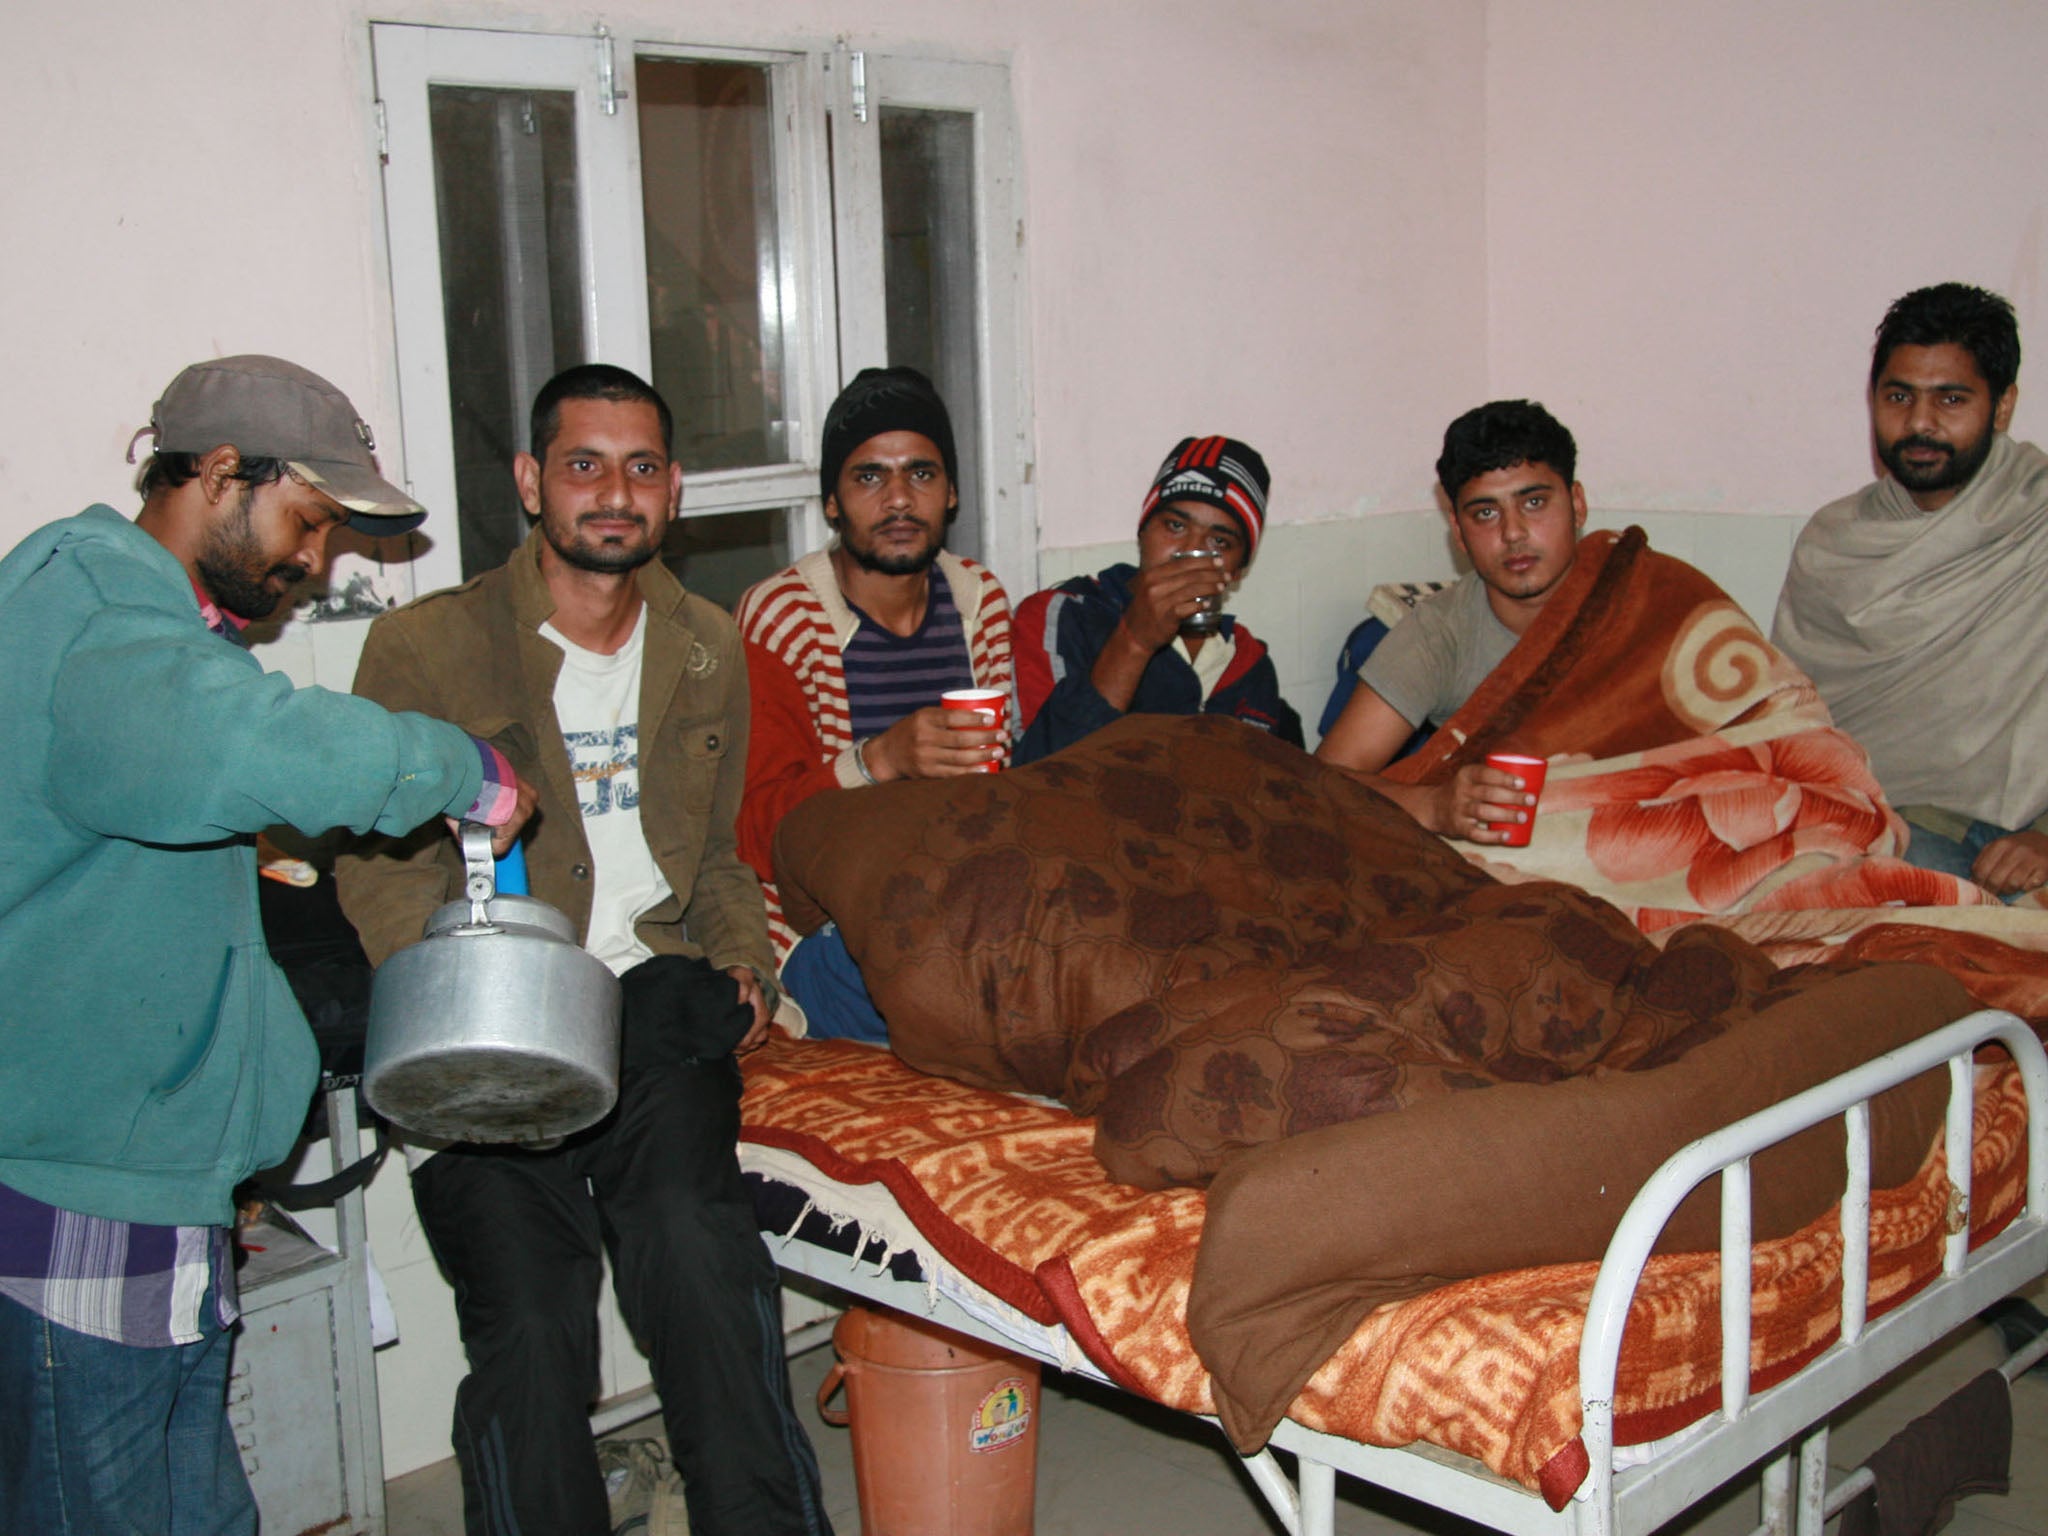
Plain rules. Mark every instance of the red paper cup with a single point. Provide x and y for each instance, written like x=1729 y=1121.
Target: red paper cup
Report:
x=990 y=706
x=1531 y=771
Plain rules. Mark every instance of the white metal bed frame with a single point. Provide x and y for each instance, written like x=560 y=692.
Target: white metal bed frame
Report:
x=1789 y=1419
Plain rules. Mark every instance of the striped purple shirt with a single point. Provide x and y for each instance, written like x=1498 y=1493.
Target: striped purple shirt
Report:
x=494 y=802
x=122 y=1281
x=889 y=676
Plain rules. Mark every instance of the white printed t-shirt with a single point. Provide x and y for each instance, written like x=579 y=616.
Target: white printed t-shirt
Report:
x=597 y=702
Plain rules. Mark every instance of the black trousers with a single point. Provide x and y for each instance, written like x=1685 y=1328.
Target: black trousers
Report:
x=518 y=1234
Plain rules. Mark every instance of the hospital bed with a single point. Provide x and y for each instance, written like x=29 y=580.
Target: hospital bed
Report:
x=872 y=1219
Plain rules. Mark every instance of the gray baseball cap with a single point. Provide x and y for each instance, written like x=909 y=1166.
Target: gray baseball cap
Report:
x=271 y=409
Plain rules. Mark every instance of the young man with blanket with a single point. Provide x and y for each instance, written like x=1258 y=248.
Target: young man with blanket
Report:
x=1694 y=769
x=1919 y=604
x=1096 y=648
x=1516 y=510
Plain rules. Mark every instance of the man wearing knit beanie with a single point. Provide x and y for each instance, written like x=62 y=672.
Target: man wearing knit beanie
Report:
x=1152 y=638
x=851 y=647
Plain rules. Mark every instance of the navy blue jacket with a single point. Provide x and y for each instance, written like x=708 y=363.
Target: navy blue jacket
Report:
x=1058 y=634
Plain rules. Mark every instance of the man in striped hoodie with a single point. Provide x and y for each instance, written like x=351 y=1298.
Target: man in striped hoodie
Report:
x=866 y=639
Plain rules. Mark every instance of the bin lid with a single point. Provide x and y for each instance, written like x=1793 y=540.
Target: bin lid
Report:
x=883 y=1337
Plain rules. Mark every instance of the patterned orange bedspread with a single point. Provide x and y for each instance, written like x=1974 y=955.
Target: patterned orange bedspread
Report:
x=1010 y=1193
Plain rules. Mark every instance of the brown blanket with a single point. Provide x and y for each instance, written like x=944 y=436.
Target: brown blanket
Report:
x=1633 y=650
x=1211 y=942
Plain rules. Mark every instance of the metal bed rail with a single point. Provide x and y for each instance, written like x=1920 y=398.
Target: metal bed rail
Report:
x=1750 y=1428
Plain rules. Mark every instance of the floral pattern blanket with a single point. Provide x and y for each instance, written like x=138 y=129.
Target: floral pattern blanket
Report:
x=1695 y=773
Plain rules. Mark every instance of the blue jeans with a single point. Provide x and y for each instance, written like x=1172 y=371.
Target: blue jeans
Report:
x=1955 y=856
x=821 y=976
x=103 y=1439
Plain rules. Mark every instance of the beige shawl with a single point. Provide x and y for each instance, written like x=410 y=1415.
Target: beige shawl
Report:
x=1927 y=634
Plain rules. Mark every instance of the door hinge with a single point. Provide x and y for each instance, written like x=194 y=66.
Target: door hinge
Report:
x=857 y=79
x=608 y=93
x=383 y=132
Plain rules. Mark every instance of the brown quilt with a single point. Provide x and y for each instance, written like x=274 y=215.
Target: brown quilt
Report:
x=1237 y=959
x=1010 y=1193
x=1210 y=941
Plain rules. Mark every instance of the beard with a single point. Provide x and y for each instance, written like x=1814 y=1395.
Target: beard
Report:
x=1956 y=468
x=237 y=573
x=605 y=554
x=863 y=553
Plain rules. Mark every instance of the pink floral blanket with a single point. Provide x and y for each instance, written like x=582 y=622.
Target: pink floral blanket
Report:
x=1696 y=774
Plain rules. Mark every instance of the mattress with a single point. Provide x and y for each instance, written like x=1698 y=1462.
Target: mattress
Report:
x=1002 y=1199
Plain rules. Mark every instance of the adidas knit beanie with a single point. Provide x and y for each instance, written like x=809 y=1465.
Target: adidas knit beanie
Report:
x=1221 y=471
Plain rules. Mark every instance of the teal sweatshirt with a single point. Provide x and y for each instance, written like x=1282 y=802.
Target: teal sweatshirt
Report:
x=151 y=1055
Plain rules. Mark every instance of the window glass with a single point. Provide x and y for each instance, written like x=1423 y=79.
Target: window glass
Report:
x=928 y=273
x=713 y=259
x=720 y=556
x=505 y=198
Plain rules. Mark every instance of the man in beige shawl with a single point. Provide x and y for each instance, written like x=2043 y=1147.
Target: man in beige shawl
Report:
x=1919 y=605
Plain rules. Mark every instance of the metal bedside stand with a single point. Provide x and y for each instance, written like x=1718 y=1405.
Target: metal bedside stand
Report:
x=303 y=1392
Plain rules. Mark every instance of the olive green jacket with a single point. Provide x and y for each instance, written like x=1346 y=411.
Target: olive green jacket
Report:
x=474 y=655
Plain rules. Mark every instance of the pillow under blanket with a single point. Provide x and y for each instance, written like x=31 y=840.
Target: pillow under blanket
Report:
x=1236 y=958
x=1210 y=941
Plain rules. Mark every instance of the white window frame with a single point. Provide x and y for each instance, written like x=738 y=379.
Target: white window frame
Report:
x=804 y=285
x=1005 y=499
x=840 y=326
x=409 y=59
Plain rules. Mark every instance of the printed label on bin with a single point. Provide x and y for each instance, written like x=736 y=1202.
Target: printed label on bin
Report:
x=1003 y=1417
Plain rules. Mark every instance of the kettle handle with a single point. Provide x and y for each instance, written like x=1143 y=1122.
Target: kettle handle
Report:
x=480 y=871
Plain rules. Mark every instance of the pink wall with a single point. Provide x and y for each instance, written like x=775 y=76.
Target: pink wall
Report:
x=186 y=180
x=1258 y=221
x=1260 y=229
x=1327 y=229
x=1697 y=214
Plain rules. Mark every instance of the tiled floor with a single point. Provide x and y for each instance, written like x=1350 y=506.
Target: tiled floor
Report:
x=1110 y=1465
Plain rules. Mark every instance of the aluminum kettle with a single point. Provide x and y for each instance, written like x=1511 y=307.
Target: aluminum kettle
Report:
x=497 y=1026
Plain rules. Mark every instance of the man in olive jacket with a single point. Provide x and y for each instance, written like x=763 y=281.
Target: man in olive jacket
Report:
x=625 y=699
